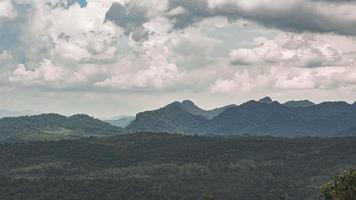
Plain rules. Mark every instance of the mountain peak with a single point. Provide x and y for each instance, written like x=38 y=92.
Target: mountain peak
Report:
x=266 y=100
x=189 y=106
x=188 y=103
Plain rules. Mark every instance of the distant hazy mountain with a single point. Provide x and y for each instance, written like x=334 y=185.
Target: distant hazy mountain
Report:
x=8 y=113
x=264 y=117
x=121 y=121
x=53 y=127
x=303 y=103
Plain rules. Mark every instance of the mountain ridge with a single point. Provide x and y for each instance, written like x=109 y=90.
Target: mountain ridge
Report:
x=263 y=117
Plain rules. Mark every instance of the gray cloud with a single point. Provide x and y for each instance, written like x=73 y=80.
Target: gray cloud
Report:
x=130 y=18
x=320 y=16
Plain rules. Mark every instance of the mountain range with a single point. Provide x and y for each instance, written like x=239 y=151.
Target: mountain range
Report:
x=258 y=118
x=263 y=117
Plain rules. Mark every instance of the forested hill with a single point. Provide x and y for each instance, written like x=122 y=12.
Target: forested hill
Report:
x=162 y=166
x=53 y=127
x=264 y=117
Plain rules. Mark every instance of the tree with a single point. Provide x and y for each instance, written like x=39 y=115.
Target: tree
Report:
x=341 y=187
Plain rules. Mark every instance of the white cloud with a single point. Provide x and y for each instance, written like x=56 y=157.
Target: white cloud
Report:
x=73 y=33
x=292 y=62
x=7 y=10
x=47 y=72
x=295 y=50
x=153 y=78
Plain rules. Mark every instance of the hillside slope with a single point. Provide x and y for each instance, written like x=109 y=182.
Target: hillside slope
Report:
x=169 y=119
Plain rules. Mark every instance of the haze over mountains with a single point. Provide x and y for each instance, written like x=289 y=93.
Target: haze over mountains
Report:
x=120 y=121
x=10 y=113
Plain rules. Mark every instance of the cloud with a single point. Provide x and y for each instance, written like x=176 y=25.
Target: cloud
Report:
x=294 y=50
x=288 y=15
x=150 y=66
x=132 y=15
x=293 y=15
x=7 y=10
x=292 y=62
x=47 y=72
x=154 y=77
x=174 y=48
x=287 y=79
x=72 y=32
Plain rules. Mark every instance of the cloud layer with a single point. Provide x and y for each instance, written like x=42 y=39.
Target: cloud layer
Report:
x=199 y=48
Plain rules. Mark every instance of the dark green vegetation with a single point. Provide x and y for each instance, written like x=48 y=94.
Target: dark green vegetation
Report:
x=341 y=187
x=53 y=127
x=161 y=166
x=264 y=117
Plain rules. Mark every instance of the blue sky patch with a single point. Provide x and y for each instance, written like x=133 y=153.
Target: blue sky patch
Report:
x=83 y=3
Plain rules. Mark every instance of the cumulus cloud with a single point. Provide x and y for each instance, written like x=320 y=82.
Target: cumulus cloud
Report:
x=149 y=66
x=292 y=61
x=47 y=72
x=7 y=10
x=295 y=50
x=282 y=78
x=72 y=32
x=154 y=77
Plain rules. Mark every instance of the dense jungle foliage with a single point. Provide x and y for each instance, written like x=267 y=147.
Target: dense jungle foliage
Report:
x=163 y=166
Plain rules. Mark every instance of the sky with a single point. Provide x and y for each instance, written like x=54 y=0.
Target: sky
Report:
x=119 y=57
